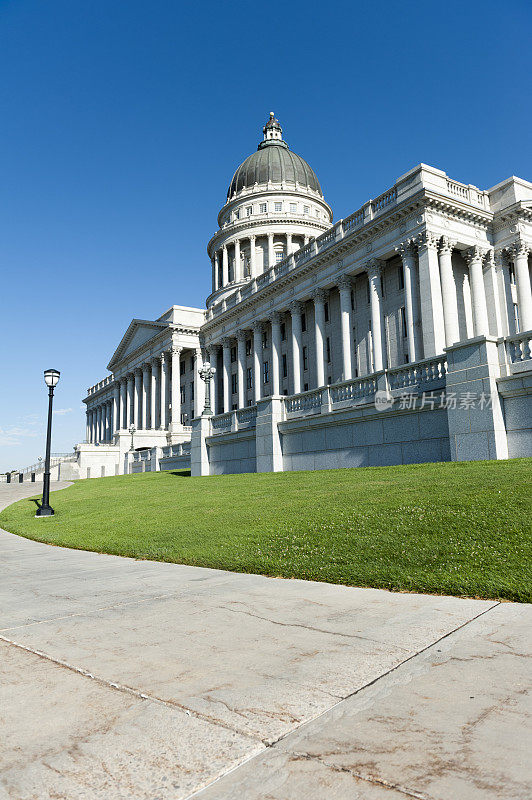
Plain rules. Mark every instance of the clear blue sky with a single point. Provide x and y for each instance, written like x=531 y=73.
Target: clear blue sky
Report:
x=122 y=123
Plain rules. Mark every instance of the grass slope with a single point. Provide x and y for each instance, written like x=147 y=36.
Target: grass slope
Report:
x=460 y=529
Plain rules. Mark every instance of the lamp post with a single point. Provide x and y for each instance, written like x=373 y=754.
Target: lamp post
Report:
x=206 y=374
x=132 y=430
x=51 y=378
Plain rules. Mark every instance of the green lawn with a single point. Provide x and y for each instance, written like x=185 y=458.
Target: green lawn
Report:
x=462 y=529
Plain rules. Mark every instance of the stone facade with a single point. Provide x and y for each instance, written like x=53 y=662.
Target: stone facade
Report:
x=319 y=331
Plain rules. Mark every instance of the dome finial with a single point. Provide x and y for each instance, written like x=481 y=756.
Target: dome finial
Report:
x=272 y=130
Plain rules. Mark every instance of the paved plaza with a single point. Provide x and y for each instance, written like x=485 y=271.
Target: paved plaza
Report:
x=135 y=679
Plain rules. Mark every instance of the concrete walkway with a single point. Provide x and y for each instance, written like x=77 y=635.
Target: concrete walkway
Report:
x=135 y=679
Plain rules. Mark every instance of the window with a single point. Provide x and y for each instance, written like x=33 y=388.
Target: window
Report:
x=511 y=272
x=326 y=311
x=317 y=211
x=328 y=350
x=265 y=372
x=305 y=358
x=279 y=255
x=234 y=407
x=249 y=377
x=367 y=291
x=305 y=387
x=285 y=366
x=182 y=394
x=234 y=384
x=248 y=347
x=283 y=332
x=264 y=340
x=184 y=418
x=406 y=358
x=263 y=208
x=233 y=355
x=191 y=391
x=249 y=211
x=402 y=321
x=352 y=300
x=237 y=214
x=329 y=380
x=303 y=322
x=182 y=367
x=278 y=206
x=401 y=277
x=306 y=209
x=293 y=208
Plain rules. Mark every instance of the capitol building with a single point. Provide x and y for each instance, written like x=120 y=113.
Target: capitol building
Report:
x=399 y=334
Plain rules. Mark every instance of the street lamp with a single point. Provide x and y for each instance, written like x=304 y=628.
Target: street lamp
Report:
x=51 y=378
x=206 y=374
x=132 y=430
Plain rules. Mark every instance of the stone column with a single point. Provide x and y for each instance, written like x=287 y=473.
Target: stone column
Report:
x=289 y=244
x=407 y=251
x=215 y=276
x=225 y=266
x=175 y=417
x=123 y=403
x=271 y=252
x=448 y=291
x=213 y=358
x=199 y=385
x=430 y=295
x=296 y=309
x=241 y=367
x=501 y=261
x=154 y=393
x=518 y=253
x=99 y=424
x=145 y=396
x=110 y=417
x=492 y=280
x=252 y=257
x=319 y=298
x=275 y=321
x=238 y=264
x=226 y=350
x=137 y=404
x=163 y=382
x=130 y=400
x=344 y=287
x=475 y=257
x=375 y=298
x=88 y=426
x=257 y=361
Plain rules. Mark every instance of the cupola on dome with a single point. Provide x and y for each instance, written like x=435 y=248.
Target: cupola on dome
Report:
x=274 y=162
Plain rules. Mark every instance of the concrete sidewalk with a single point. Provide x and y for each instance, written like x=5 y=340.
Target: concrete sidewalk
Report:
x=137 y=679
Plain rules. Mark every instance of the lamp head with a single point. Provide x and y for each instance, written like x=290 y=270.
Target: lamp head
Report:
x=51 y=377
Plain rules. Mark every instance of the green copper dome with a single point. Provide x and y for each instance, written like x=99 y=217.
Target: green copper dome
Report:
x=273 y=162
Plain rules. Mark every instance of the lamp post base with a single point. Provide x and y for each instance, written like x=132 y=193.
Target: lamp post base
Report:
x=45 y=511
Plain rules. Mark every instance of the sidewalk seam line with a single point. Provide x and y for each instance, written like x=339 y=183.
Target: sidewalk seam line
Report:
x=298 y=728
x=128 y=690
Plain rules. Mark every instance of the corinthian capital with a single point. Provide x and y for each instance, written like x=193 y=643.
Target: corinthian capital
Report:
x=276 y=318
x=296 y=307
x=518 y=248
x=373 y=267
x=474 y=253
x=345 y=283
x=406 y=249
x=320 y=295
x=176 y=350
x=447 y=245
x=427 y=239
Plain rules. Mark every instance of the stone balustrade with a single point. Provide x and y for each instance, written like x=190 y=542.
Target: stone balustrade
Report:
x=100 y=385
x=518 y=348
x=356 y=389
x=432 y=369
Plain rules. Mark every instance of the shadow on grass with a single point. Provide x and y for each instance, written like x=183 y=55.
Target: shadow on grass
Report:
x=181 y=474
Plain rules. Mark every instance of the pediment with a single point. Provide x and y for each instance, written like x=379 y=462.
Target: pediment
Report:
x=139 y=332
